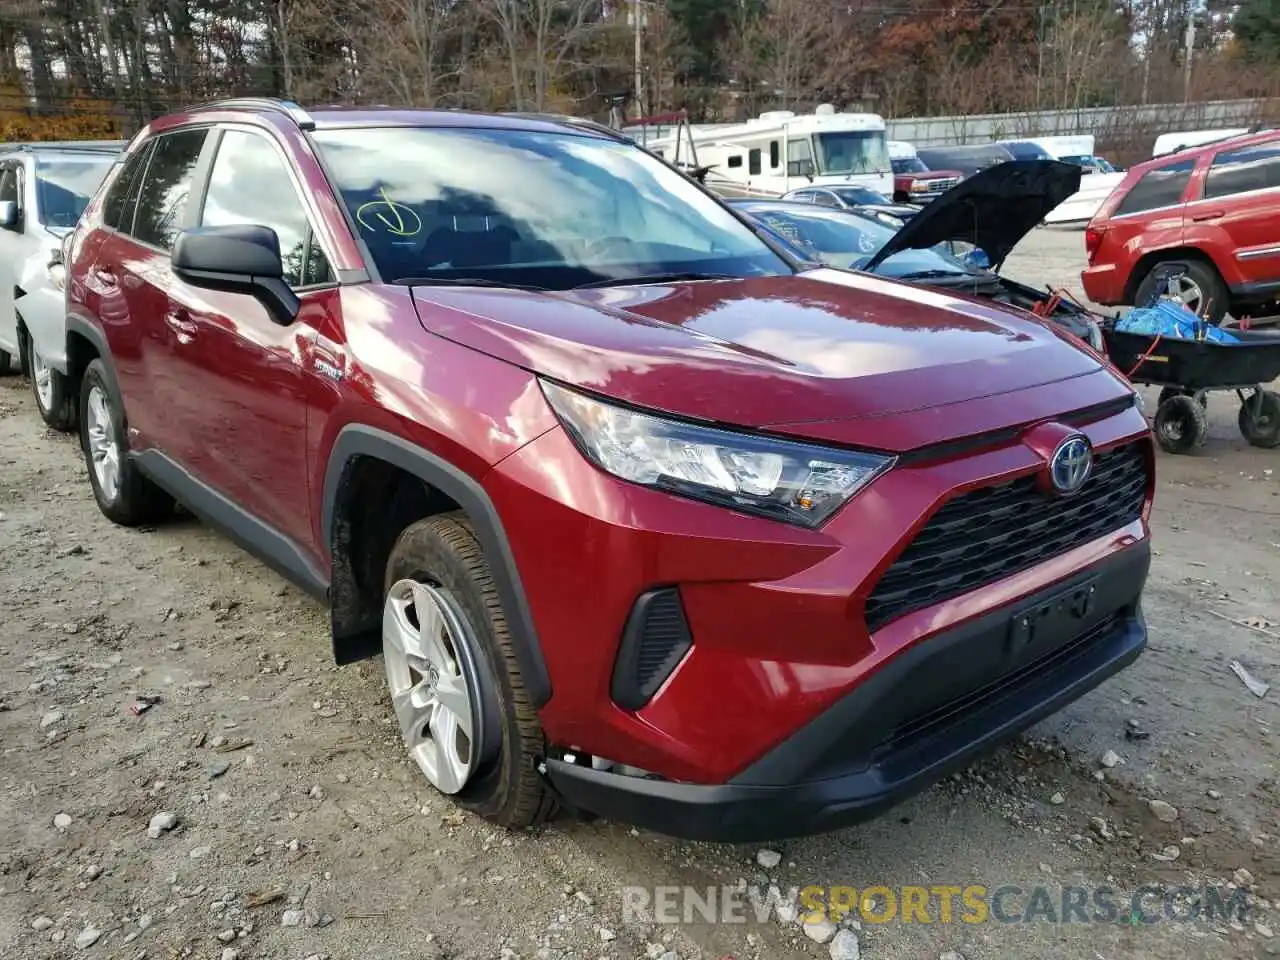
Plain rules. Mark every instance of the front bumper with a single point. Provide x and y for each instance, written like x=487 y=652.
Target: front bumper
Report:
x=926 y=713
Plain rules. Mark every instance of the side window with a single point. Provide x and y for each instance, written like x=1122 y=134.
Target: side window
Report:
x=826 y=199
x=122 y=195
x=775 y=156
x=1245 y=169
x=9 y=184
x=249 y=183
x=1161 y=187
x=753 y=161
x=162 y=198
x=735 y=161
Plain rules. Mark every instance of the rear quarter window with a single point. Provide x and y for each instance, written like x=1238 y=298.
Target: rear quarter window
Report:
x=1245 y=169
x=1158 y=187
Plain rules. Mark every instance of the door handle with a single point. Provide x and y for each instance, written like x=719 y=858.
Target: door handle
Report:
x=184 y=328
x=1211 y=215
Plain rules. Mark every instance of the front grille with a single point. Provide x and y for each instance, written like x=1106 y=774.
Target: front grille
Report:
x=941 y=186
x=987 y=534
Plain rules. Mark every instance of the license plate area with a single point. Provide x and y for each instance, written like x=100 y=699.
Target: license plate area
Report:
x=1051 y=622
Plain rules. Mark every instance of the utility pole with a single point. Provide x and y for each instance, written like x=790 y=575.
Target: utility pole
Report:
x=1187 y=56
x=637 y=13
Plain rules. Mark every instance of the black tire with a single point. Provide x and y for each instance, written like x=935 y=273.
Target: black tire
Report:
x=6 y=362
x=61 y=412
x=508 y=790
x=1261 y=429
x=1167 y=392
x=137 y=500
x=1181 y=425
x=1216 y=296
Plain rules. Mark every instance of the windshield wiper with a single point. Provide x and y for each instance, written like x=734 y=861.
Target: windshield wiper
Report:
x=938 y=274
x=653 y=278
x=463 y=282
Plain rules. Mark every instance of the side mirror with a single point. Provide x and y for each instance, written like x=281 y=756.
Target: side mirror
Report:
x=978 y=259
x=8 y=214
x=238 y=259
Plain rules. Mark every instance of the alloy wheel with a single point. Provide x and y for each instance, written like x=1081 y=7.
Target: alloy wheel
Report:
x=42 y=376
x=426 y=646
x=103 y=449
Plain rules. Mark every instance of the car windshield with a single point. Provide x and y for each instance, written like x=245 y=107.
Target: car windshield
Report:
x=531 y=208
x=1023 y=150
x=854 y=195
x=849 y=240
x=968 y=161
x=909 y=165
x=853 y=151
x=65 y=186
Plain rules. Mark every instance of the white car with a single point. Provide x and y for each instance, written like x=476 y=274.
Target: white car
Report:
x=44 y=187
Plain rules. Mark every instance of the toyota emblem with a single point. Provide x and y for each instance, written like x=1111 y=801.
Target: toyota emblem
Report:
x=1071 y=464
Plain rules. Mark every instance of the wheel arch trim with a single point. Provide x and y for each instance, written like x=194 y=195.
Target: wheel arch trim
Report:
x=360 y=440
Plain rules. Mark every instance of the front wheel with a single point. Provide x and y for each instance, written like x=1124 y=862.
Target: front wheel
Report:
x=1260 y=419
x=54 y=401
x=6 y=362
x=1180 y=425
x=456 y=689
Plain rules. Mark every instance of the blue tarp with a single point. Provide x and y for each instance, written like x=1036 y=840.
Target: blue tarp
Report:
x=1171 y=319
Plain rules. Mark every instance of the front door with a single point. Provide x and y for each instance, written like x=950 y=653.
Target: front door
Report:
x=1242 y=200
x=252 y=375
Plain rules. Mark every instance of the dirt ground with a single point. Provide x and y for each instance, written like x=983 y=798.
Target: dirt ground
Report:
x=300 y=830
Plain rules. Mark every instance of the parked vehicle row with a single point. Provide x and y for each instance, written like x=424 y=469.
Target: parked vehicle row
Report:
x=647 y=516
x=992 y=211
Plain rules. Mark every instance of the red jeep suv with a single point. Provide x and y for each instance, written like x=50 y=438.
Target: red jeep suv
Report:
x=644 y=521
x=1202 y=224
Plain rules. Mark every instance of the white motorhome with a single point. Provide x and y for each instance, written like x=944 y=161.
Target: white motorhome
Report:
x=1170 y=142
x=781 y=150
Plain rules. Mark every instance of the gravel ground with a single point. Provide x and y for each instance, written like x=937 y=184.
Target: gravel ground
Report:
x=287 y=824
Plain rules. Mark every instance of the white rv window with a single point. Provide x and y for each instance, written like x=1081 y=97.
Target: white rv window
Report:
x=799 y=157
x=753 y=162
x=735 y=161
x=774 y=158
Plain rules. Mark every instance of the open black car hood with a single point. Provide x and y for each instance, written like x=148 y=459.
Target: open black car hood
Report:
x=993 y=209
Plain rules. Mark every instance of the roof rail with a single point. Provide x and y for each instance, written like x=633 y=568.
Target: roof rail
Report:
x=287 y=107
x=1252 y=131
x=88 y=146
x=565 y=120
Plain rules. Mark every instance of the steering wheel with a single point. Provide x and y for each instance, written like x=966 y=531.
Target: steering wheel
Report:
x=601 y=248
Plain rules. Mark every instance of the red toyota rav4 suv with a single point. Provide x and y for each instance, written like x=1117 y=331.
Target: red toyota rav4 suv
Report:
x=1202 y=223
x=642 y=520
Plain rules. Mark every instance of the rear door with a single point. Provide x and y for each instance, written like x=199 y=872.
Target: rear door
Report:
x=251 y=378
x=1148 y=217
x=133 y=275
x=1238 y=215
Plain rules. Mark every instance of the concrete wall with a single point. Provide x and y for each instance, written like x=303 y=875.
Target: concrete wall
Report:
x=1105 y=123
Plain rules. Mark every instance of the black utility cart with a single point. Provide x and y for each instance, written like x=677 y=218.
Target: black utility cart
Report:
x=1189 y=370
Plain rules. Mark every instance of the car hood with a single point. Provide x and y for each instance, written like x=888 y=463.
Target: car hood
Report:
x=993 y=209
x=781 y=353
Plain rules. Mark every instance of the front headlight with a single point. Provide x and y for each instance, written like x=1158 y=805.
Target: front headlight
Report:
x=919 y=186
x=780 y=479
